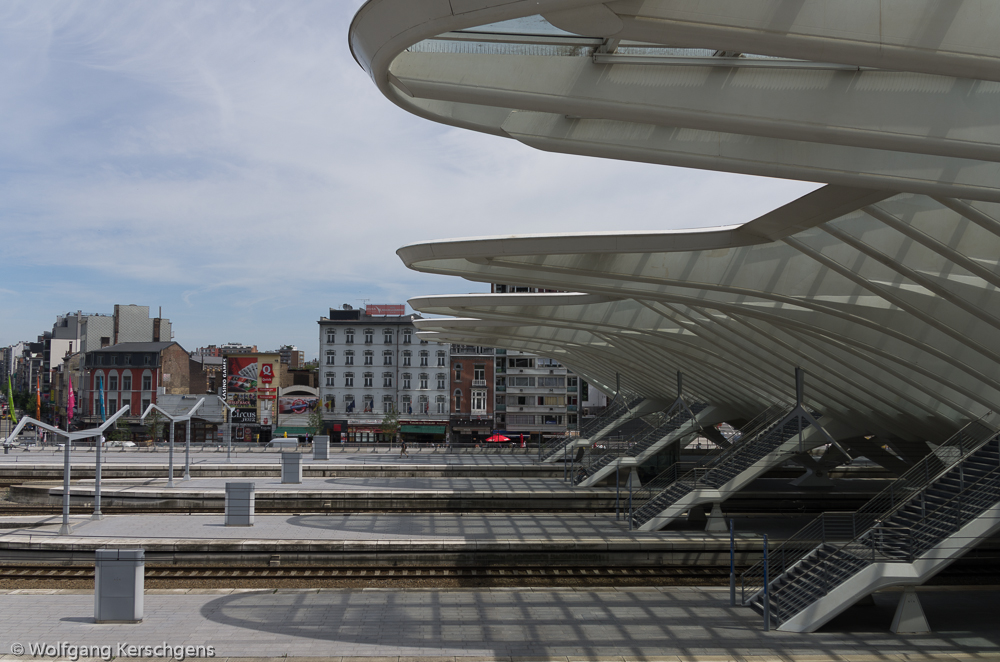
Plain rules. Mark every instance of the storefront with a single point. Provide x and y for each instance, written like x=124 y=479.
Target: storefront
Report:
x=423 y=433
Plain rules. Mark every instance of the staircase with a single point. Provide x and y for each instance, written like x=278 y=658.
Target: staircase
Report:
x=926 y=519
x=612 y=417
x=728 y=471
x=664 y=429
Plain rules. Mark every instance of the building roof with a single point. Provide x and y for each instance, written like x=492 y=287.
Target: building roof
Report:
x=137 y=347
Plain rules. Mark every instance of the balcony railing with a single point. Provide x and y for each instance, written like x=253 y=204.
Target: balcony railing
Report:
x=479 y=382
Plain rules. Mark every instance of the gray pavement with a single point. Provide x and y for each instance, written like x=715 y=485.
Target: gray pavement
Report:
x=339 y=526
x=561 y=624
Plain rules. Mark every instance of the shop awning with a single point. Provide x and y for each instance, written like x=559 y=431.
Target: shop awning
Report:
x=280 y=432
x=423 y=429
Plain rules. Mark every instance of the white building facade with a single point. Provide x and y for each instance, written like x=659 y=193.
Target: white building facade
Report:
x=373 y=367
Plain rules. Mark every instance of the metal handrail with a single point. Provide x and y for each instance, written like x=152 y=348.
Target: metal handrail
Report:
x=609 y=413
x=887 y=543
x=919 y=474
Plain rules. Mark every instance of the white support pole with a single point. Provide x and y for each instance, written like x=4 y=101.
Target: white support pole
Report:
x=170 y=457
x=65 y=528
x=97 y=480
x=187 y=450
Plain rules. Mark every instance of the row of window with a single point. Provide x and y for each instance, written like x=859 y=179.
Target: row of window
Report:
x=387 y=336
x=478 y=371
x=539 y=400
x=406 y=404
x=406 y=380
x=369 y=358
x=119 y=359
x=113 y=404
x=126 y=382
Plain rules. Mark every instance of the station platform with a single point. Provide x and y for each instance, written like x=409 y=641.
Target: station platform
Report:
x=511 y=625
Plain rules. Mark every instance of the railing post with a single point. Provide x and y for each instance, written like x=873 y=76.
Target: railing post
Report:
x=767 y=592
x=732 y=563
x=630 y=501
x=618 y=490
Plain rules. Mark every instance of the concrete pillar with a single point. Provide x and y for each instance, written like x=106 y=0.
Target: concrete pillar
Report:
x=909 y=618
x=291 y=467
x=119 y=577
x=716 y=521
x=321 y=447
x=240 y=504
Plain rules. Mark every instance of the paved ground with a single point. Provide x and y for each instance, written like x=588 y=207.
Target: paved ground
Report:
x=337 y=526
x=573 y=624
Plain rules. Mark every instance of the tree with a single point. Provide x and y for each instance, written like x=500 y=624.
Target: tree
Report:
x=154 y=425
x=390 y=424
x=315 y=425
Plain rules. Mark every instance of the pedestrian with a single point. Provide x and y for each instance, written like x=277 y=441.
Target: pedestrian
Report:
x=402 y=449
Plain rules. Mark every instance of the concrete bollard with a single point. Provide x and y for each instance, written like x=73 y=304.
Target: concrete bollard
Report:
x=119 y=581
x=239 y=504
x=291 y=468
x=321 y=447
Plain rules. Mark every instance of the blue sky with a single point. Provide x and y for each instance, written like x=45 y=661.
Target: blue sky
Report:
x=231 y=163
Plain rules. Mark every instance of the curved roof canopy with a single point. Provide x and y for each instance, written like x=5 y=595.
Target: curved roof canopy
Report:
x=882 y=285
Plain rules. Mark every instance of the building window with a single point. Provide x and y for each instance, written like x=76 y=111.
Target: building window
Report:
x=349 y=402
x=147 y=359
x=406 y=358
x=331 y=378
x=386 y=380
x=331 y=357
x=369 y=402
x=331 y=335
x=387 y=404
x=369 y=379
x=369 y=357
x=127 y=358
x=440 y=358
x=478 y=402
x=441 y=378
x=441 y=404
x=406 y=405
x=369 y=336
x=520 y=363
x=126 y=402
x=387 y=336
x=407 y=336
x=423 y=380
x=145 y=405
x=571 y=380
x=349 y=357
x=501 y=399
x=387 y=357
x=147 y=382
x=479 y=374
x=349 y=336
x=112 y=382
x=406 y=380
x=348 y=379
x=126 y=382
x=423 y=358
x=458 y=372
x=423 y=404
x=458 y=400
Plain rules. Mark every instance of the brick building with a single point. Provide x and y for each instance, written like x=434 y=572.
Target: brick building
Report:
x=133 y=373
x=472 y=393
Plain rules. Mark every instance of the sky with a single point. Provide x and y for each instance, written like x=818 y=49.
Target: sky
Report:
x=230 y=163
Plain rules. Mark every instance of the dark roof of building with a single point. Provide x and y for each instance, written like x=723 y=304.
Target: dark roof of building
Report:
x=137 y=347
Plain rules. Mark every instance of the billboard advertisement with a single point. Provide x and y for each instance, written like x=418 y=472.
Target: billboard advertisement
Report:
x=249 y=386
x=297 y=404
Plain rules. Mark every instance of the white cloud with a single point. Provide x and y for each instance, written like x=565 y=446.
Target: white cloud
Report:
x=232 y=162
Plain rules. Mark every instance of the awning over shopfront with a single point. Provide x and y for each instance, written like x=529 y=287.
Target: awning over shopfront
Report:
x=423 y=429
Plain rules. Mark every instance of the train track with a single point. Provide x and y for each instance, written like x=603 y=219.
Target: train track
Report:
x=228 y=572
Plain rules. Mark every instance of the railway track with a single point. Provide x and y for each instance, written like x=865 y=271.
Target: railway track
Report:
x=228 y=572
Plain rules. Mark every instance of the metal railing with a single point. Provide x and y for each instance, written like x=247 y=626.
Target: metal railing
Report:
x=966 y=441
x=610 y=413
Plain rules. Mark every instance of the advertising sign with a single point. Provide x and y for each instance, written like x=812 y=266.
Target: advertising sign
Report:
x=385 y=309
x=297 y=404
x=266 y=373
x=245 y=416
x=245 y=387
